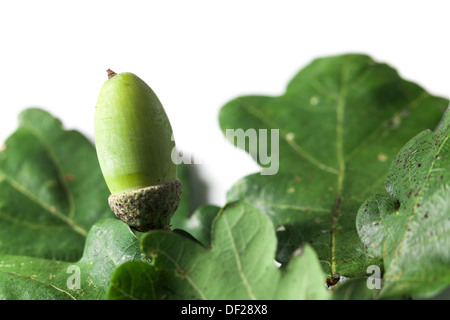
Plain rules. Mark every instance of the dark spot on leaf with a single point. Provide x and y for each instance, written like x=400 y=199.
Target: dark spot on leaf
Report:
x=406 y=160
x=69 y=177
x=332 y=281
x=419 y=165
x=396 y=205
x=426 y=215
x=180 y=273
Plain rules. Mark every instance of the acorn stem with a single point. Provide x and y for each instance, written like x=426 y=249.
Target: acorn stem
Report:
x=111 y=73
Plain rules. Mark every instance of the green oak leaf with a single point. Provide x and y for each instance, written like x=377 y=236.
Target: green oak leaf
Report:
x=409 y=227
x=354 y=289
x=341 y=121
x=51 y=189
x=109 y=244
x=443 y=295
x=238 y=264
x=199 y=223
x=195 y=220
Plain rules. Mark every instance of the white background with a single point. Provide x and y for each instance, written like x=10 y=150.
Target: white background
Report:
x=197 y=55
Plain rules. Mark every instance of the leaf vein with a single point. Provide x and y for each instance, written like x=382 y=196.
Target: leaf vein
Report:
x=238 y=261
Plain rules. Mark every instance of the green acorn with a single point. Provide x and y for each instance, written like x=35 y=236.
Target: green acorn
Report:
x=134 y=143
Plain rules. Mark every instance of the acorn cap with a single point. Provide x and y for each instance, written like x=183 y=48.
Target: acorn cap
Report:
x=147 y=208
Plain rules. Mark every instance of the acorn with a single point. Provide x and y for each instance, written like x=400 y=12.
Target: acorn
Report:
x=134 y=143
